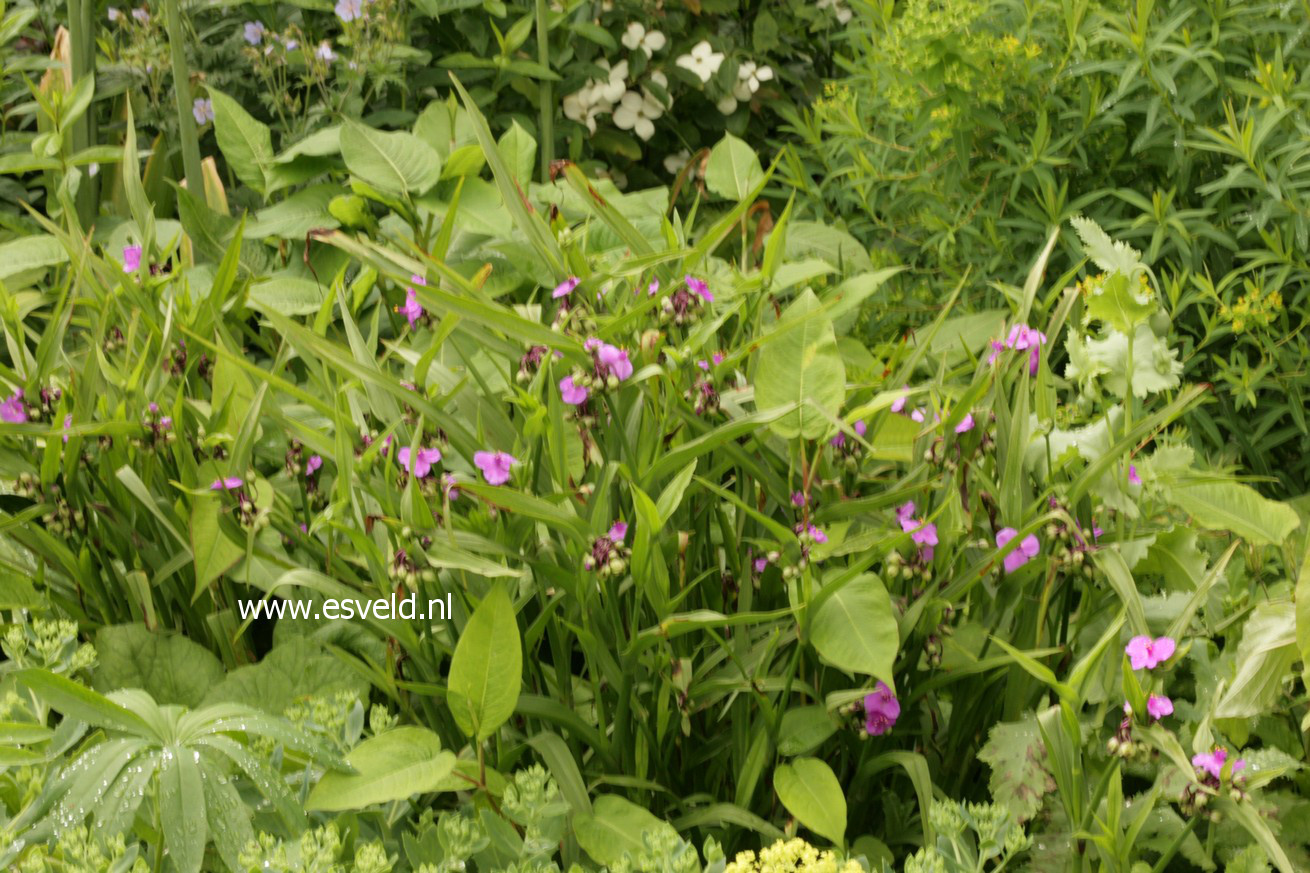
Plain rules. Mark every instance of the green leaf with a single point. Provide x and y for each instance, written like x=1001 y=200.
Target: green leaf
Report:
x=391 y=766
x=1110 y=256
x=394 y=162
x=1232 y=506
x=733 y=169
x=182 y=809
x=214 y=553
x=292 y=671
x=518 y=150
x=804 y=729
x=800 y=365
x=1017 y=756
x=167 y=666
x=615 y=827
x=486 y=670
x=245 y=142
x=1264 y=660
x=296 y=216
x=30 y=253
x=287 y=295
x=81 y=703
x=1122 y=303
x=810 y=791
x=854 y=629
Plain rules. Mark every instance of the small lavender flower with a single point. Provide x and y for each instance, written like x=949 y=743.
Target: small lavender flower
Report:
x=1158 y=706
x=421 y=464
x=618 y=531
x=699 y=286
x=254 y=32
x=881 y=710
x=1133 y=478
x=349 y=10
x=324 y=52
x=798 y=498
x=12 y=409
x=1212 y=763
x=565 y=288
x=412 y=310
x=313 y=464
x=613 y=361
x=141 y=14
x=131 y=259
x=202 y=110
x=228 y=483
x=113 y=14
x=572 y=393
x=966 y=424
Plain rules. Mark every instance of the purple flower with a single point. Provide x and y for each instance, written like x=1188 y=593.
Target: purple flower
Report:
x=698 y=286
x=905 y=510
x=422 y=463
x=922 y=533
x=717 y=358
x=324 y=52
x=861 y=427
x=141 y=14
x=899 y=403
x=411 y=310
x=881 y=710
x=313 y=464
x=618 y=531
x=572 y=394
x=349 y=10
x=68 y=422
x=704 y=365
x=12 y=409
x=202 y=110
x=1158 y=706
x=131 y=259
x=798 y=498
x=966 y=423
x=819 y=536
x=227 y=484
x=838 y=441
x=254 y=32
x=494 y=466
x=917 y=415
x=761 y=564
x=1022 y=337
x=1146 y=653
x=291 y=45
x=653 y=288
x=1132 y=475
x=1213 y=762
x=113 y=14
x=613 y=361
x=1027 y=550
x=565 y=288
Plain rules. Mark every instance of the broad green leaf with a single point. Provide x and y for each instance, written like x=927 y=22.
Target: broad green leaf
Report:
x=296 y=216
x=1264 y=660
x=486 y=670
x=1020 y=774
x=801 y=366
x=245 y=141
x=214 y=553
x=182 y=808
x=394 y=162
x=30 y=253
x=292 y=671
x=733 y=169
x=287 y=295
x=391 y=766
x=167 y=666
x=79 y=702
x=1232 y=506
x=615 y=826
x=854 y=629
x=810 y=792
x=804 y=729
x=518 y=150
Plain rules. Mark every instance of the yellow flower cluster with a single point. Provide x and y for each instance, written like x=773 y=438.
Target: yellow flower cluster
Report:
x=791 y=856
x=1252 y=309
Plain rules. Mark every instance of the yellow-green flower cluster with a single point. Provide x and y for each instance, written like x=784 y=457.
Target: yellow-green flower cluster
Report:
x=791 y=856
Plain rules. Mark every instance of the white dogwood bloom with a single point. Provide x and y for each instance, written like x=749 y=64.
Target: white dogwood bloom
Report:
x=749 y=77
x=703 y=61
x=638 y=37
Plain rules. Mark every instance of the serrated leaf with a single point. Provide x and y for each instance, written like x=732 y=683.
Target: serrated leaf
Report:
x=1020 y=777
x=1106 y=253
x=1232 y=506
x=1264 y=660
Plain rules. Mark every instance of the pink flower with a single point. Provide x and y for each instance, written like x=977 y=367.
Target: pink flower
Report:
x=717 y=358
x=313 y=464
x=997 y=348
x=618 y=531
x=1145 y=653
x=761 y=564
x=12 y=409
x=1132 y=475
x=921 y=532
x=227 y=484
x=697 y=286
x=798 y=498
x=1158 y=706
x=861 y=427
x=899 y=403
x=613 y=361
x=966 y=424
x=704 y=365
x=881 y=710
x=495 y=466
x=422 y=465
x=1027 y=550
x=1213 y=762
x=411 y=310
x=565 y=288
x=68 y=422
x=917 y=415
x=653 y=288
x=905 y=510
x=131 y=259
x=819 y=536
x=572 y=394
x=838 y=441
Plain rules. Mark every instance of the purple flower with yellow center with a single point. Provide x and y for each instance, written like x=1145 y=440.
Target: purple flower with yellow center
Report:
x=1145 y=653
x=495 y=466
x=202 y=110
x=881 y=710
x=818 y=535
x=349 y=10
x=13 y=410
x=254 y=32
x=313 y=464
x=228 y=483
x=1027 y=549
x=700 y=287
x=131 y=259
x=572 y=393
x=966 y=423
x=565 y=288
x=422 y=460
x=1158 y=706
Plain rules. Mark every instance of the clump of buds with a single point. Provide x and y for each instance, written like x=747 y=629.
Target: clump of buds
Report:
x=609 y=556
x=703 y=396
x=681 y=307
x=62 y=519
x=402 y=569
x=114 y=340
x=530 y=363
x=158 y=429
x=175 y=363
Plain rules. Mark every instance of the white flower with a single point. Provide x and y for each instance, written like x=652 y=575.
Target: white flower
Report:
x=675 y=163
x=749 y=77
x=638 y=112
x=703 y=61
x=579 y=107
x=324 y=52
x=638 y=37
x=613 y=88
x=839 y=9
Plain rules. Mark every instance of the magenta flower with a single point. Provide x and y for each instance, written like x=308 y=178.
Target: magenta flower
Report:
x=1132 y=475
x=905 y=510
x=921 y=532
x=313 y=464
x=917 y=415
x=495 y=466
x=565 y=288
x=68 y=422
x=798 y=498
x=613 y=361
x=881 y=710
x=966 y=424
x=819 y=536
x=761 y=564
x=861 y=427
x=618 y=531
x=898 y=405
x=717 y=358
x=1027 y=550
x=412 y=310
x=572 y=393
x=227 y=484
x=131 y=259
x=697 y=286
x=1145 y=653
x=422 y=464
x=12 y=409
x=1022 y=337
x=1213 y=762
x=1158 y=706
x=838 y=441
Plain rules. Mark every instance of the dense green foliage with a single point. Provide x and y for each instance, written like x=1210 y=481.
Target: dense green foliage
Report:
x=863 y=488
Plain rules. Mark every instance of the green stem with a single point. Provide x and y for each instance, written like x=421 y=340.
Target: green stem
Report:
x=82 y=60
x=545 y=97
x=182 y=91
